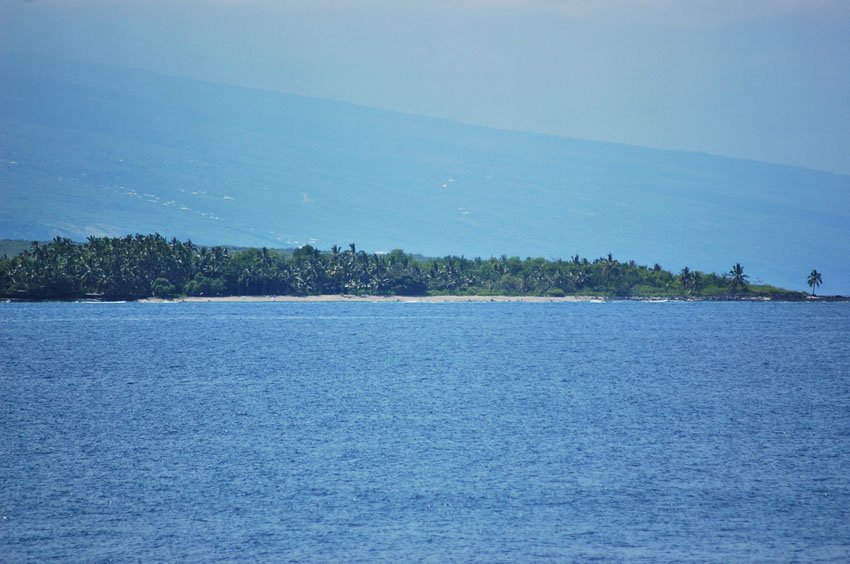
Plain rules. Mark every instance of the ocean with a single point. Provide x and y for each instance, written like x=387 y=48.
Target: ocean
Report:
x=619 y=431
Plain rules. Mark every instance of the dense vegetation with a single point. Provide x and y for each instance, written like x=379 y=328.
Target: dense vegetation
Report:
x=150 y=265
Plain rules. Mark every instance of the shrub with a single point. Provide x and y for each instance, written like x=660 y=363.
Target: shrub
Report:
x=203 y=286
x=162 y=288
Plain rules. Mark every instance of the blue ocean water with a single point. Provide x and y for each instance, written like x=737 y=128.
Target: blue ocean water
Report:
x=423 y=431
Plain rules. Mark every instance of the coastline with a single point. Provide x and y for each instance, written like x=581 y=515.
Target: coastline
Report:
x=377 y=299
x=481 y=299
x=340 y=298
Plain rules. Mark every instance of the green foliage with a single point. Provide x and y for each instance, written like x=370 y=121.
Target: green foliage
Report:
x=737 y=278
x=162 y=288
x=200 y=285
x=149 y=265
x=713 y=291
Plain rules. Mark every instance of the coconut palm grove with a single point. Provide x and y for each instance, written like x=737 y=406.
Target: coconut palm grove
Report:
x=142 y=266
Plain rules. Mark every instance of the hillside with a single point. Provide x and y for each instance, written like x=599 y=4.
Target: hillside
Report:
x=93 y=150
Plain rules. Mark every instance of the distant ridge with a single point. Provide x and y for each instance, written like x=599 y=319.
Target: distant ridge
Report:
x=87 y=150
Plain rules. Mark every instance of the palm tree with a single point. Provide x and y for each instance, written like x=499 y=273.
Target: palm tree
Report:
x=738 y=278
x=696 y=281
x=580 y=279
x=610 y=266
x=815 y=280
x=685 y=277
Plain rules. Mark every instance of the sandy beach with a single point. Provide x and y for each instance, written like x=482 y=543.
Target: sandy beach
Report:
x=348 y=298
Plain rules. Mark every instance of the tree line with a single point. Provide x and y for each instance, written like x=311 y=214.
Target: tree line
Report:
x=141 y=266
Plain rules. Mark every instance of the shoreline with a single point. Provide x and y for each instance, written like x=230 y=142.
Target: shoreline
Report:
x=480 y=299
x=374 y=299
x=341 y=298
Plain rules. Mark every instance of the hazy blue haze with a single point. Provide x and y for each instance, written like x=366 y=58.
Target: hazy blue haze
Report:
x=99 y=150
x=402 y=431
x=760 y=79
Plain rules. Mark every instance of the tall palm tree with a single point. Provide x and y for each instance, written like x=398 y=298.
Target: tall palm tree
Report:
x=696 y=281
x=610 y=266
x=737 y=277
x=815 y=280
x=686 y=277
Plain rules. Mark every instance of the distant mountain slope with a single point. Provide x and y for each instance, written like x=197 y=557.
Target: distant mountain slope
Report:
x=12 y=248
x=92 y=150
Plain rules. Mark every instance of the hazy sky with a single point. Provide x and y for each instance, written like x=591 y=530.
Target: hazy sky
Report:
x=760 y=79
